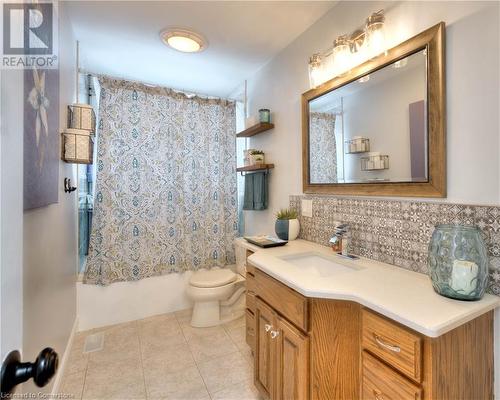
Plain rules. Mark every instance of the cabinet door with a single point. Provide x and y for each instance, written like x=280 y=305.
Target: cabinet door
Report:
x=264 y=372
x=292 y=354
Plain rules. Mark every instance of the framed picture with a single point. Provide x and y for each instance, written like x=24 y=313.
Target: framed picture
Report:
x=41 y=137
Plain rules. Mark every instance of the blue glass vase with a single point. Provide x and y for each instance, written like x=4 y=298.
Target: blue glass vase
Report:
x=458 y=262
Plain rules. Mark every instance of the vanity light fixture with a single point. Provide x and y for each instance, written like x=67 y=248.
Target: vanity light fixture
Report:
x=183 y=40
x=349 y=50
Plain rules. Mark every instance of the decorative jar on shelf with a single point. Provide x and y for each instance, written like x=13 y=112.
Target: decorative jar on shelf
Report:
x=256 y=157
x=458 y=262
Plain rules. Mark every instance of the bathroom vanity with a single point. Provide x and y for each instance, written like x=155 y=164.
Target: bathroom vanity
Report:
x=323 y=327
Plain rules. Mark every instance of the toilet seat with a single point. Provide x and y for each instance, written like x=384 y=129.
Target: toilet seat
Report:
x=212 y=278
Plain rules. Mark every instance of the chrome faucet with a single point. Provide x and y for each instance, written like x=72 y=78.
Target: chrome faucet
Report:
x=340 y=240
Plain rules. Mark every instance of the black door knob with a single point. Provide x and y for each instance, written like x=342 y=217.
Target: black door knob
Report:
x=15 y=372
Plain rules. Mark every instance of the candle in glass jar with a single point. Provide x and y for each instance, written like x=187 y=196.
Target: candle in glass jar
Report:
x=463 y=276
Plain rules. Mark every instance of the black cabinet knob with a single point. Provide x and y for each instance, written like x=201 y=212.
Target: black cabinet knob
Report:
x=15 y=372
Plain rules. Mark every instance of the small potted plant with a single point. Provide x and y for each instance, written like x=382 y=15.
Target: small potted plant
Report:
x=256 y=157
x=287 y=225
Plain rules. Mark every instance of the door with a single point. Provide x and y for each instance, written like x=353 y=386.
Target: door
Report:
x=292 y=362
x=265 y=319
x=11 y=211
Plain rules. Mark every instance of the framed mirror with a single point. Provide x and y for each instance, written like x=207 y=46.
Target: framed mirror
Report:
x=379 y=129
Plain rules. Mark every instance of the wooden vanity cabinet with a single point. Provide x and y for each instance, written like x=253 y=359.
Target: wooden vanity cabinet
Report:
x=309 y=348
x=281 y=357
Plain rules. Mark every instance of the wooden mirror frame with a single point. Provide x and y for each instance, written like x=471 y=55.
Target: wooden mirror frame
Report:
x=433 y=40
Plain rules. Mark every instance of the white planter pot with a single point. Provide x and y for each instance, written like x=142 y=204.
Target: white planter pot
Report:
x=293 y=229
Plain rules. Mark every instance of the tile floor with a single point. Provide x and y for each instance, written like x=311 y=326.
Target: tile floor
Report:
x=163 y=357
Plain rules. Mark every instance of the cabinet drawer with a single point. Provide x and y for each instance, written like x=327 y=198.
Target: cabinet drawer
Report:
x=292 y=305
x=380 y=382
x=250 y=329
x=398 y=346
x=251 y=301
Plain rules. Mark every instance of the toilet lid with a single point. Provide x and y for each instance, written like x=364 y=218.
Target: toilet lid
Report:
x=212 y=278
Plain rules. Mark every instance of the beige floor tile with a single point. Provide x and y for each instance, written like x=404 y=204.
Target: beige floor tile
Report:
x=119 y=346
x=184 y=315
x=192 y=332
x=156 y=337
x=238 y=335
x=237 y=323
x=115 y=380
x=77 y=362
x=169 y=357
x=241 y=391
x=185 y=384
x=223 y=372
x=72 y=385
x=205 y=348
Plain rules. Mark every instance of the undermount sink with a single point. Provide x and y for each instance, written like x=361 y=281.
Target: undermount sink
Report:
x=318 y=264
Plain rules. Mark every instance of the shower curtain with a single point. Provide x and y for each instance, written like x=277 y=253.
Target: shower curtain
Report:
x=323 y=148
x=166 y=197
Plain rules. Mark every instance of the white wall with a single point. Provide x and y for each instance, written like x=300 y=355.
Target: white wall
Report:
x=472 y=96
x=50 y=242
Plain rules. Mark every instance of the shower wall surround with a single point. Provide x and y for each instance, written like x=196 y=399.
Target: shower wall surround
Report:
x=397 y=231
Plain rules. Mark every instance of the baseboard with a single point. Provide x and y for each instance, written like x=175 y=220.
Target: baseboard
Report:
x=56 y=387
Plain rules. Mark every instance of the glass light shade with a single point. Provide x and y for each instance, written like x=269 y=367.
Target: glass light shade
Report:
x=375 y=34
x=342 y=59
x=315 y=71
x=184 y=44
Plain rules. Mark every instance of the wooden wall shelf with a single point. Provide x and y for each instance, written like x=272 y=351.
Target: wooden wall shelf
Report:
x=255 y=129
x=254 y=168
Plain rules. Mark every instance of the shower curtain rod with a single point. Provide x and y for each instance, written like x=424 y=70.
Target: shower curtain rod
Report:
x=188 y=93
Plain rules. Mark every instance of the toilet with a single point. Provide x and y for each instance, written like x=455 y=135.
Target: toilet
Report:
x=218 y=295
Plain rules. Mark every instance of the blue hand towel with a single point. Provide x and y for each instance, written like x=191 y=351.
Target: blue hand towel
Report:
x=256 y=191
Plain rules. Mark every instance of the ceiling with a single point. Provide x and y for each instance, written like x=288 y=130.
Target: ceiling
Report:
x=121 y=39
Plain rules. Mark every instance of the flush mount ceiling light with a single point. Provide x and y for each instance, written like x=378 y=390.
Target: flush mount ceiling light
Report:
x=183 y=40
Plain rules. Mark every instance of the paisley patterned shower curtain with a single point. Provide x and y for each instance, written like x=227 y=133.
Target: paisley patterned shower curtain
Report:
x=166 y=197
x=323 y=148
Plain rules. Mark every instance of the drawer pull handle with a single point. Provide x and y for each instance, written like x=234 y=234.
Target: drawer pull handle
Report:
x=274 y=334
x=387 y=346
x=378 y=395
x=267 y=327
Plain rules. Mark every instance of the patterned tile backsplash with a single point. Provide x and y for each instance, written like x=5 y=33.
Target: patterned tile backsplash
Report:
x=396 y=231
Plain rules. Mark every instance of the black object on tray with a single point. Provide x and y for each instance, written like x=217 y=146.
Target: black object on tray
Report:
x=265 y=241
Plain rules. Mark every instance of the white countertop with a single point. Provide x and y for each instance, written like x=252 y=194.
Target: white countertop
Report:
x=404 y=296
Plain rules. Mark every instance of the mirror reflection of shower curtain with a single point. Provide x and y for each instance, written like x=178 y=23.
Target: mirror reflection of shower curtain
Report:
x=322 y=148
x=166 y=196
